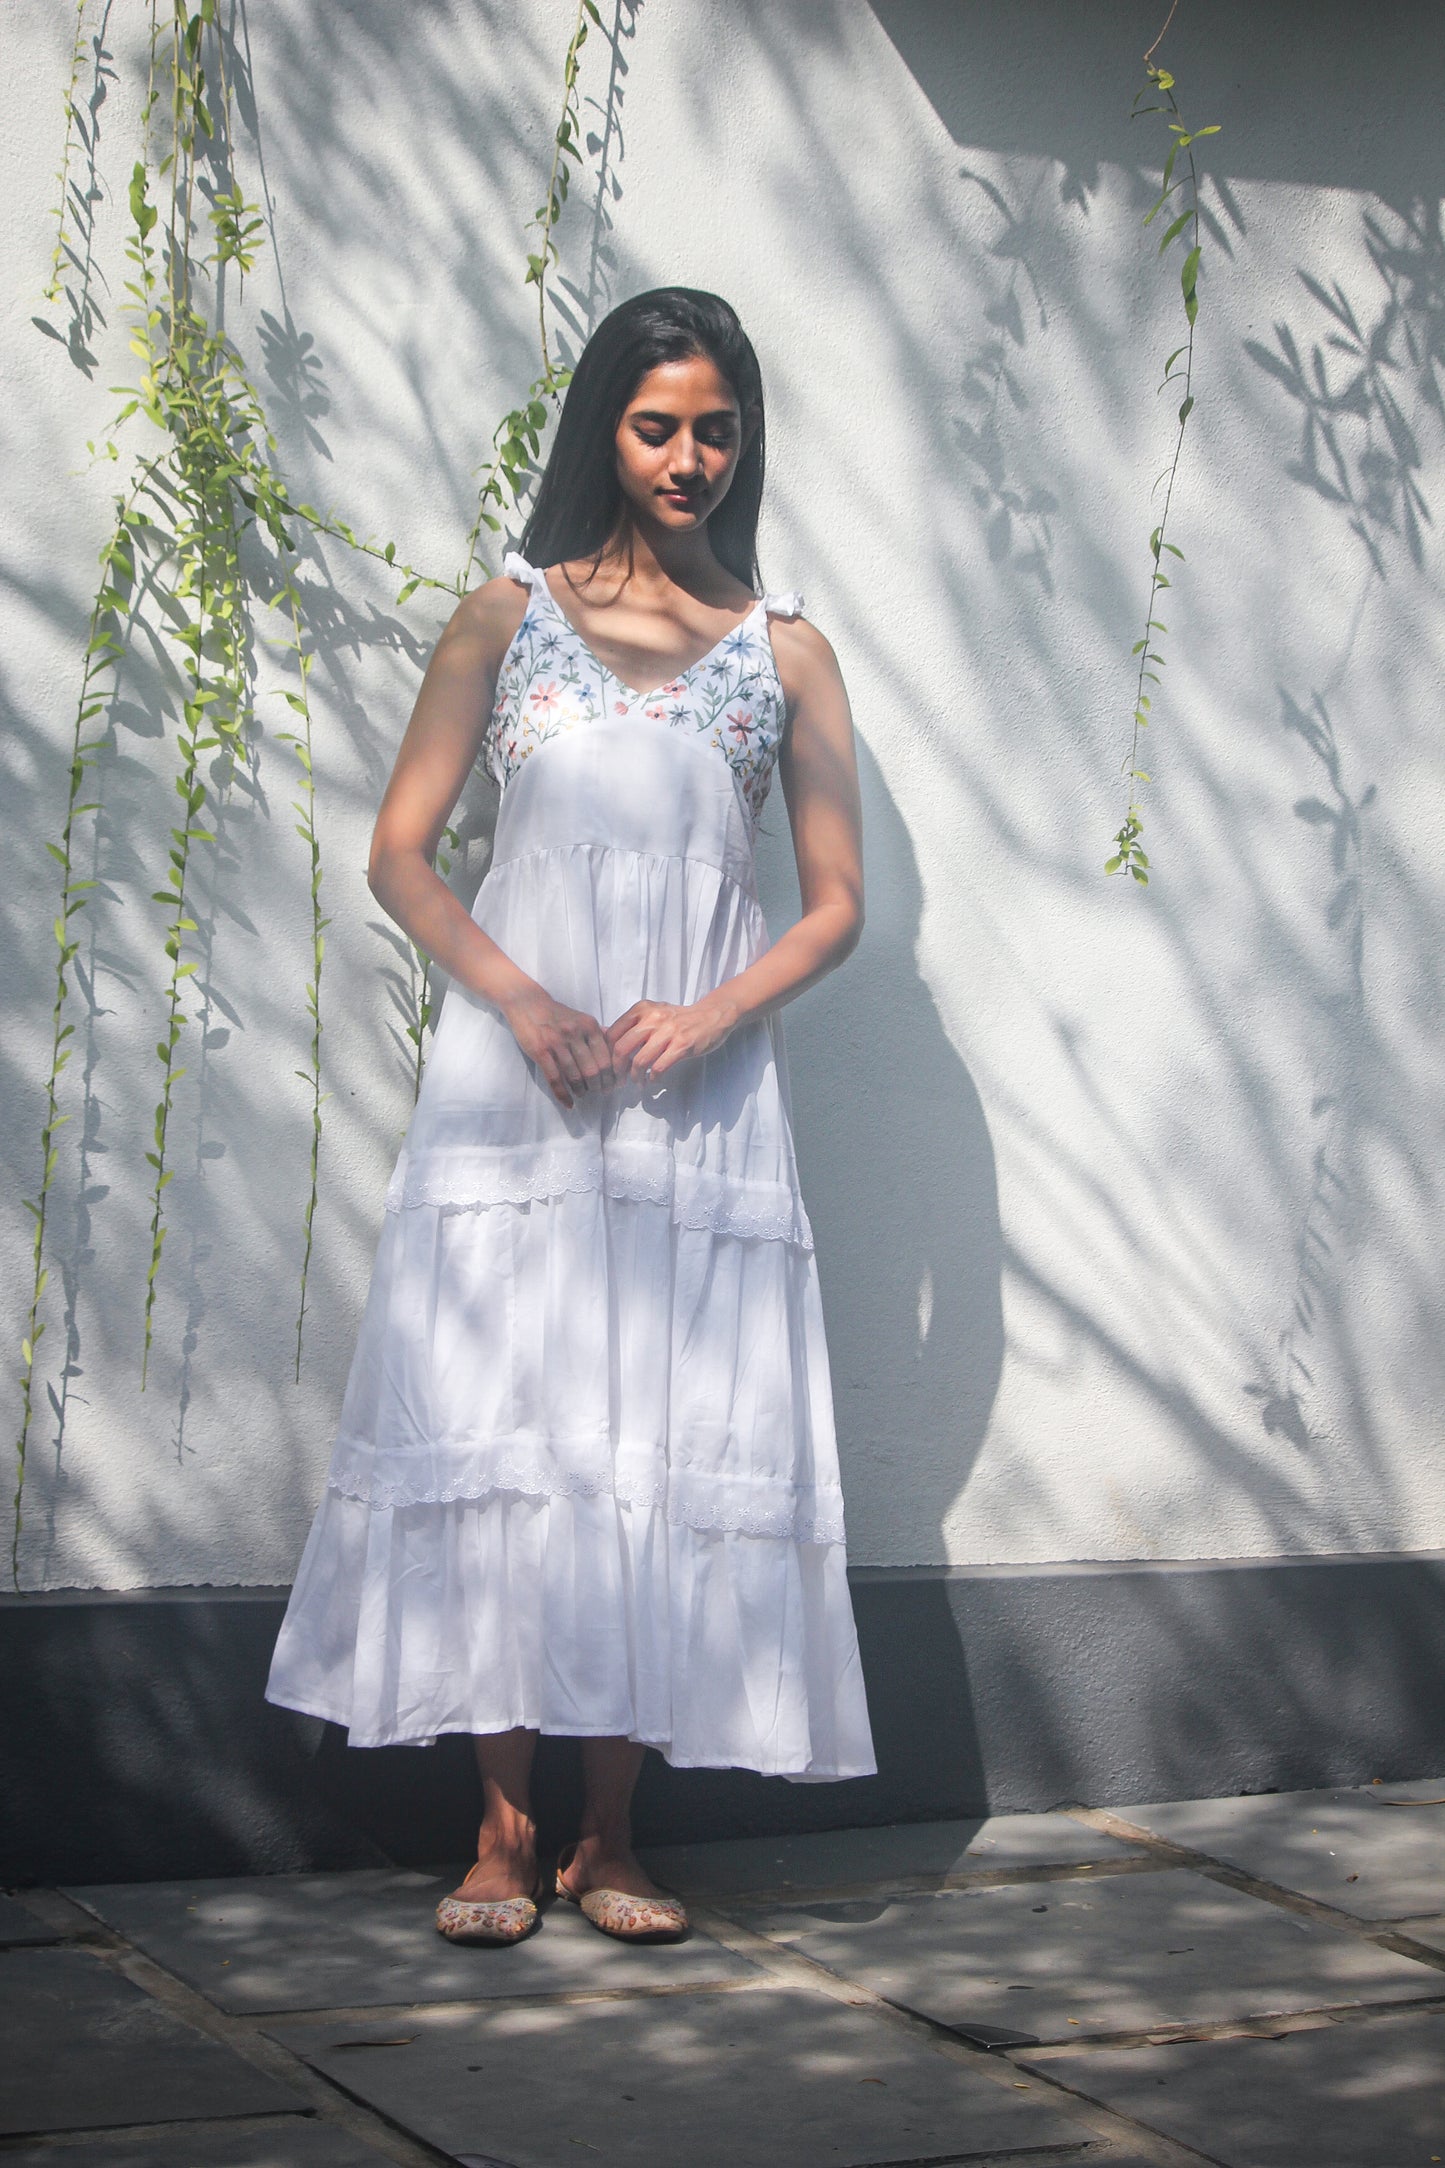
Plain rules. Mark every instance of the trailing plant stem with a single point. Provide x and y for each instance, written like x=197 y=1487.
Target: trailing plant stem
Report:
x=301 y=743
x=62 y=209
x=1129 y=854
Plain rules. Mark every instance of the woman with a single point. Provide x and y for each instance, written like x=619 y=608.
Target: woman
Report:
x=586 y=1478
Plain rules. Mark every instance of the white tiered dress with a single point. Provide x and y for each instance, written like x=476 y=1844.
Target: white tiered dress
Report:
x=586 y=1478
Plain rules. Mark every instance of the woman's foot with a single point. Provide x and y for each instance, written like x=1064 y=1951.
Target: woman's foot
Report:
x=598 y=1862
x=604 y=1876
x=496 y=1901
x=506 y=1866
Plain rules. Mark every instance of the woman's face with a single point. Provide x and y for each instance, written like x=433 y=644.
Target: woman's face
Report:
x=678 y=444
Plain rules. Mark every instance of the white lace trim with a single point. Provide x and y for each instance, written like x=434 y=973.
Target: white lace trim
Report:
x=809 y=1516
x=471 y=1180
x=477 y=1180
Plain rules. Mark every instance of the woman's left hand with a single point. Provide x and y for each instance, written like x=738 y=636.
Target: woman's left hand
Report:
x=654 y=1036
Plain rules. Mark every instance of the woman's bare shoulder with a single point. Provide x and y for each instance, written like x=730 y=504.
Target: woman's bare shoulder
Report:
x=486 y=619
x=805 y=656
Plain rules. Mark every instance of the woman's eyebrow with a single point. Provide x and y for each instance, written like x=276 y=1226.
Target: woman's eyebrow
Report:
x=655 y=414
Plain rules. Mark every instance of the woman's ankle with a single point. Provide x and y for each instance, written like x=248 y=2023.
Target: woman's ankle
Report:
x=507 y=1835
x=605 y=1839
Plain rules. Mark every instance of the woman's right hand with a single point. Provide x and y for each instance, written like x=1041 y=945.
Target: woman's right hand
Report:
x=568 y=1046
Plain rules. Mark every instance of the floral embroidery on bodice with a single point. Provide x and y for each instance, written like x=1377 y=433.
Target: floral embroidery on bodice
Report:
x=550 y=681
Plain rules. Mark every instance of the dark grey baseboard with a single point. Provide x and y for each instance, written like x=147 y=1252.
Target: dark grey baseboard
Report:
x=136 y=1742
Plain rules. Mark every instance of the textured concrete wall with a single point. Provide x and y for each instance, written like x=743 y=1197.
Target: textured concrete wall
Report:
x=1125 y=1204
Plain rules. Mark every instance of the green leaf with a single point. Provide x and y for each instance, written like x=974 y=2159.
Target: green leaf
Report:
x=1186 y=410
x=143 y=213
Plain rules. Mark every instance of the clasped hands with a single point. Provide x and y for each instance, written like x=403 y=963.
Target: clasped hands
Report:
x=577 y=1054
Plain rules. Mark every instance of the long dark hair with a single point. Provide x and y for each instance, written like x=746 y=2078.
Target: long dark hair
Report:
x=579 y=500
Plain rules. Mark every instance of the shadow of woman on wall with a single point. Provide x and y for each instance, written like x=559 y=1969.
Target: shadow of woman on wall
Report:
x=898 y=1172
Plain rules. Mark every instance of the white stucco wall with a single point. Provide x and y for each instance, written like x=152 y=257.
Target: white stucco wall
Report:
x=1126 y=1205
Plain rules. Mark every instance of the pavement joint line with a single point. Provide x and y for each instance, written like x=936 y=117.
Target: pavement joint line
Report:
x=192 y=2126
x=56 y=1911
x=1253 y=1885
x=1259 y=2025
x=795 y=1970
x=329 y=2100
x=1086 y=2152
x=926 y=1885
x=391 y=2013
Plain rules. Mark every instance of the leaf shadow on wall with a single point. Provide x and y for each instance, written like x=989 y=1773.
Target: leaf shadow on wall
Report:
x=1144 y=1246
x=1364 y=378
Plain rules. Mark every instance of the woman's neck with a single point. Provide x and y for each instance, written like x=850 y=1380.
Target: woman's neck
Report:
x=651 y=566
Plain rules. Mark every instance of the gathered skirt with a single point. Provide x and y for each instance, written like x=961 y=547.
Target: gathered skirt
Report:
x=503 y=1540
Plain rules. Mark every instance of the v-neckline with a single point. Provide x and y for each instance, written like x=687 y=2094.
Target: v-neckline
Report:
x=678 y=677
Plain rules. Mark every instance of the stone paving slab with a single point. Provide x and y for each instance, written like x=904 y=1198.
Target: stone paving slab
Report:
x=85 y=2048
x=19 y=1926
x=1123 y=1953
x=348 y=1941
x=1346 y=1847
x=739 y=1865
x=1370 y=2094
x=764 y=2078
x=285 y=2142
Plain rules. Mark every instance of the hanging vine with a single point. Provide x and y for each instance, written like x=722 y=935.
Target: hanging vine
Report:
x=74 y=126
x=175 y=559
x=1129 y=854
x=104 y=646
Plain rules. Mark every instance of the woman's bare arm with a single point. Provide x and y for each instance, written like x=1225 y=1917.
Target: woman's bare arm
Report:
x=818 y=768
x=438 y=751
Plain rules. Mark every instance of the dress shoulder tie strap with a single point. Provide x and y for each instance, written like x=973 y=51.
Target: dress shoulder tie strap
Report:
x=784 y=602
x=516 y=567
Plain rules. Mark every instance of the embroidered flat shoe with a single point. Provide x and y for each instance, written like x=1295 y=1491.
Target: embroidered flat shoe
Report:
x=630 y=1919
x=486 y=1919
